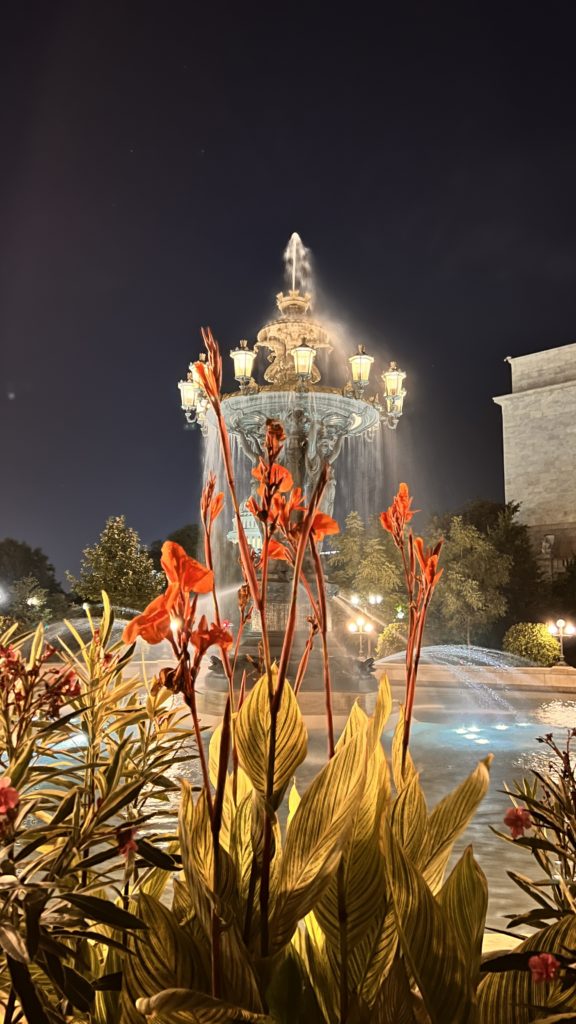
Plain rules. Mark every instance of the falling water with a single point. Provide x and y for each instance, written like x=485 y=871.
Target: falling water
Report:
x=367 y=472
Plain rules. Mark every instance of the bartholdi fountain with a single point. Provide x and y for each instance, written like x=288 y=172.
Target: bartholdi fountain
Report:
x=318 y=418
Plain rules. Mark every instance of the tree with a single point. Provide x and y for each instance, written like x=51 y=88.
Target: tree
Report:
x=119 y=564
x=471 y=596
x=533 y=641
x=29 y=603
x=525 y=592
x=377 y=573
x=18 y=560
x=187 y=536
x=344 y=565
x=391 y=640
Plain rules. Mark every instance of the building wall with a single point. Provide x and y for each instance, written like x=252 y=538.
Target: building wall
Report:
x=539 y=433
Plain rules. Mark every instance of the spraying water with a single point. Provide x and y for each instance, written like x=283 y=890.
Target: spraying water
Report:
x=298 y=265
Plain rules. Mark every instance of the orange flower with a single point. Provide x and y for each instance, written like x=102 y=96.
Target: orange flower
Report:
x=216 y=505
x=211 y=504
x=323 y=526
x=398 y=514
x=210 y=373
x=278 y=551
x=275 y=476
x=428 y=561
x=153 y=625
x=205 y=636
x=185 y=571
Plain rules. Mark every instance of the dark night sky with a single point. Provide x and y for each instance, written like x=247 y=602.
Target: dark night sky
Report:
x=156 y=158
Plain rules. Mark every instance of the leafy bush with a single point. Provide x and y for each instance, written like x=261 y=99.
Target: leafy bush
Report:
x=533 y=641
x=86 y=758
x=544 y=806
x=391 y=640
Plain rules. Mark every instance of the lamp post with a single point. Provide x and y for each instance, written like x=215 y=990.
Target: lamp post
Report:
x=361 y=627
x=303 y=356
x=360 y=364
x=561 y=628
x=243 y=359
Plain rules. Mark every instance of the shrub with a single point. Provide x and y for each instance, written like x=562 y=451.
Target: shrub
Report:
x=533 y=641
x=391 y=640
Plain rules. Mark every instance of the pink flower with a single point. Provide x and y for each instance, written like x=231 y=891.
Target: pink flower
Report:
x=543 y=967
x=126 y=841
x=9 y=797
x=518 y=820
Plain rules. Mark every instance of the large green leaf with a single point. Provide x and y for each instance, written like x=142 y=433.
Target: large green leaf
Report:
x=464 y=897
x=199 y=1008
x=164 y=957
x=512 y=997
x=449 y=819
x=434 y=957
x=319 y=829
x=371 y=959
x=253 y=738
x=394 y=1004
x=402 y=773
x=364 y=878
x=197 y=848
x=409 y=817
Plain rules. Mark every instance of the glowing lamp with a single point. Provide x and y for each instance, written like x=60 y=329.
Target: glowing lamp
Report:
x=375 y=598
x=552 y=628
x=368 y=627
x=188 y=393
x=394 y=391
x=243 y=359
x=352 y=627
x=303 y=356
x=570 y=629
x=360 y=366
x=354 y=599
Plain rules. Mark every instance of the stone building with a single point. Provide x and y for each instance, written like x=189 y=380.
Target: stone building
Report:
x=539 y=432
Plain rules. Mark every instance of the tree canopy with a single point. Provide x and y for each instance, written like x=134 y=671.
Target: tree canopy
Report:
x=18 y=560
x=119 y=564
x=187 y=536
x=472 y=592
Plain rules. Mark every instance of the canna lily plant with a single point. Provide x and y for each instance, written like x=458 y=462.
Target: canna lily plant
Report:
x=345 y=913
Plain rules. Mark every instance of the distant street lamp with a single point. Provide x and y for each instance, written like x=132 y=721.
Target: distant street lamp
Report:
x=361 y=627
x=375 y=599
x=355 y=599
x=561 y=628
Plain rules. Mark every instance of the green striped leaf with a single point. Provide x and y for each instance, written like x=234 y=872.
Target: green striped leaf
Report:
x=449 y=819
x=253 y=738
x=381 y=713
x=401 y=775
x=163 y=957
x=434 y=957
x=319 y=829
x=364 y=875
x=199 y=1008
x=464 y=898
x=409 y=818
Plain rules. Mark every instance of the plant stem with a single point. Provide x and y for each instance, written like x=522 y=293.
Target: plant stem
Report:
x=190 y=698
x=321 y=587
x=343 y=929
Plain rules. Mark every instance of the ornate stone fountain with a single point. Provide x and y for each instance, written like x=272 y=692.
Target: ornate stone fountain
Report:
x=317 y=418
